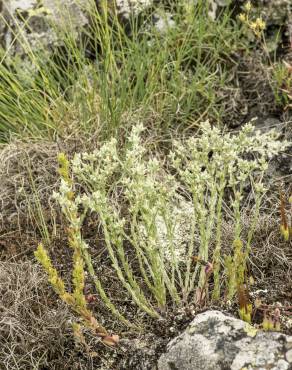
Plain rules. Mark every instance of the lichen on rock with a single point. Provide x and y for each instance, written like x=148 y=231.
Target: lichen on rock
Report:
x=214 y=341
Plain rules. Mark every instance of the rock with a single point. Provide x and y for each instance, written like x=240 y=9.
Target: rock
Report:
x=126 y=7
x=214 y=341
x=289 y=356
x=32 y=22
x=275 y=12
x=265 y=124
x=163 y=22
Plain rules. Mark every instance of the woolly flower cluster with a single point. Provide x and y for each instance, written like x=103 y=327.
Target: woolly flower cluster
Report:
x=181 y=212
x=234 y=158
x=141 y=202
x=95 y=168
x=209 y=162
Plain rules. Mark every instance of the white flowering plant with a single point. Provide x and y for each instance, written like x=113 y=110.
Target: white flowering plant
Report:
x=157 y=216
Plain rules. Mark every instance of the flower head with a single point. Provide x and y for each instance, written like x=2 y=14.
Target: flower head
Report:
x=261 y=25
x=248 y=6
x=242 y=17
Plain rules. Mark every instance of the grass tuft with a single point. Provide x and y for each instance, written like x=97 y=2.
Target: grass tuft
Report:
x=97 y=78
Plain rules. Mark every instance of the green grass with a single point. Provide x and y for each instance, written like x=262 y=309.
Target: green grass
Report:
x=168 y=81
x=282 y=84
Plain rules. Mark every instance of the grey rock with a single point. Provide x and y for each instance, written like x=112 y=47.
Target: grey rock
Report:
x=29 y=24
x=289 y=356
x=269 y=123
x=214 y=341
x=275 y=11
x=163 y=22
x=128 y=7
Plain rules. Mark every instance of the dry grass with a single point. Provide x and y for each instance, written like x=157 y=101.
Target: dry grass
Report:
x=35 y=328
x=26 y=170
x=33 y=331
x=271 y=256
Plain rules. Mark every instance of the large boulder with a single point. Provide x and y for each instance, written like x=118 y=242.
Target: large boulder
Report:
x=214 y=341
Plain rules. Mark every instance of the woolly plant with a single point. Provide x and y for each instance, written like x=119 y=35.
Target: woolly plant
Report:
x=142 y=204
